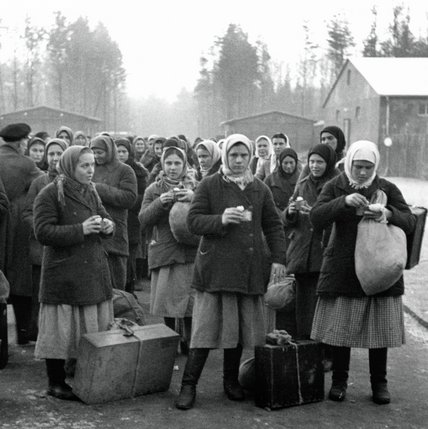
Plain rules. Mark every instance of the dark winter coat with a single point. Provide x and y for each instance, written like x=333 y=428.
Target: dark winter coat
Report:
x=36 y=249
x=116 y=185
x=17 y=172
x=4 y=210
x=338 y=276
x=235 y=258
x=211 y=171
x=75 y=270
x=163 y=248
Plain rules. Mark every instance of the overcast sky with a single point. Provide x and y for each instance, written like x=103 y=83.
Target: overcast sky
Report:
x=162 y=41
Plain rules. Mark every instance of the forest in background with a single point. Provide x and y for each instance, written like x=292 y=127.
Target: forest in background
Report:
x=79 y=69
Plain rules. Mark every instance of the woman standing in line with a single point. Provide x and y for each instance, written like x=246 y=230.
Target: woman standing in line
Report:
x=209 y=158
x=36 y=151
x=171 y=263
x=263 y=154
x=345 y=316
x=54 y=149
x=304 y=253
x=76 y=289
x=233 y=212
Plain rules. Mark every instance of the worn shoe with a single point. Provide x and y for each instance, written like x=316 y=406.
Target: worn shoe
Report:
x=337 y=392
x=381 y=395
x=233 y=390
x=186 y=398
x=61 y=391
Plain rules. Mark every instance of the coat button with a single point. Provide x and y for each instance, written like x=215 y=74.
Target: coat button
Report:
x=251 y=249
x=251 y=235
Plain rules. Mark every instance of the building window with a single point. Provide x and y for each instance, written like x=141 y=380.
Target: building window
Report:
x=337 y=115
x=348 y=77
x=423 y=109
x=357 y=112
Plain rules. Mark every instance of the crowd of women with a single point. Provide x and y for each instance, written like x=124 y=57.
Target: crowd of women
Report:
x=83 y=214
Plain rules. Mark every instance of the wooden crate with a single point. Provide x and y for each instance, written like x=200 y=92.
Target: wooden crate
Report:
x=289 y=375
x=113 y=366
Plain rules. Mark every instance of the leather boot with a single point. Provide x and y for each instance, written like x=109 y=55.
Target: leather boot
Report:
x=58 y=388
x=232 y=388
x=341 y=357
x=377 y=365
x=192 y=371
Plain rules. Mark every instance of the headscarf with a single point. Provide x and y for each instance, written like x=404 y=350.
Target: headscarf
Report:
x=42 y=164
x=66 y=130
x=53 y=172
x=242 y=180
x=79 y=134
x=164 y=181
x=362 y=150
x=269 y=149
x=292 y=154
x=340 y=137
x=66 y=180
x=328 y=154
x=214 y=151
x=106 y=143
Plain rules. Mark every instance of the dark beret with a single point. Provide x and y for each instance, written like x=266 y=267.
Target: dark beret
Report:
x=15 y=132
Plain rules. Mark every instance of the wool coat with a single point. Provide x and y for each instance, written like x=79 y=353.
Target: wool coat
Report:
x=235 y=258
x=304 y=253
x=4 y=210
x=36 y=249
x=163 y=247
x=75 y=270
x=17 y=172
x=116 y=185
x=338 y=277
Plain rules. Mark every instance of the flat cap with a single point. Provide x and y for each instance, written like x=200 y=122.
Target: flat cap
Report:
x=15 y=132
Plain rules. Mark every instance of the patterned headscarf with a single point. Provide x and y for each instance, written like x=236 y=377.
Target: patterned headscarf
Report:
x=362 y=150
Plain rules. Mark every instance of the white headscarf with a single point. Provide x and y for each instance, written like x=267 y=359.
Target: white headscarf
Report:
x=270 y=149
x=212 y=148
x=242 y=180
x=362 y=150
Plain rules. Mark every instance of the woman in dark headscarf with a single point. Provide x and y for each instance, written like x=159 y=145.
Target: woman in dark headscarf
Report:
x=305 y=251
x=116 y=185
x=209 y=158
x=65 y=133
x=76 y=289
x=283 y=181
x=80 y=139
x=171 y=262
x=125 y=152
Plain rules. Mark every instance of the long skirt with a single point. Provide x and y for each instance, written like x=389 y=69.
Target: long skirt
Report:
x=366 y=322
x=61 y=327
x=224 y=320
x=171 y=294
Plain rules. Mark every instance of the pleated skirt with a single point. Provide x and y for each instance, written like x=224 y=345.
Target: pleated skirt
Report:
x=61 y=327
x=366 y=322
x=224 y=320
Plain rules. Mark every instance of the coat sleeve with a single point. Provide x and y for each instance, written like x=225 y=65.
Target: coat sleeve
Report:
x=200 y=220
x=401 y=214
x=329 y=207
x=4 y=201
x=122 y=196
x=273 y=229
x=46 y=217
x=152 y=208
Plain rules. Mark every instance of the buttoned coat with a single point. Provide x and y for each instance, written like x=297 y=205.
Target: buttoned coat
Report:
x=75 y=270
x=163 y=247
x=17 y=172
x=338 y=275
x=116 y=185
x=235 y=258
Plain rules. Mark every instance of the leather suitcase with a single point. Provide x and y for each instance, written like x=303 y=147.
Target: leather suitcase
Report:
x=414 y=240
x=113 y=365
x=289 y=375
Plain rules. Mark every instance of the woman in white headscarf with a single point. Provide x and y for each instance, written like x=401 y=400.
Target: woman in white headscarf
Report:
x=345 y=316
x=263 y=154
x=209 y=158
x=236 y=216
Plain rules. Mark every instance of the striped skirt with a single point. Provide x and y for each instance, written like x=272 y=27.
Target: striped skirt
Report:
x=366 y=322
x=224 y=320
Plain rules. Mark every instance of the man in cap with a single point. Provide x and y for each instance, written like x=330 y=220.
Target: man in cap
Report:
x=17 y=172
